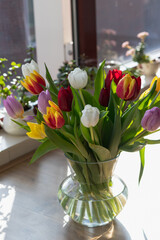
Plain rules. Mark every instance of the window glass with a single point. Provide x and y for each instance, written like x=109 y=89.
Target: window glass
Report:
x=16 y=29
x=118 y=21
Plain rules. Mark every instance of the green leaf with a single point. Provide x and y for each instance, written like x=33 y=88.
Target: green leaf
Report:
x=77 y=104
x=142 y=158
x=79 y=144
x=54 y=97
x=27 y=128
x=102 y=153
x=114 y=100
x=149 y=141
x=50 y=81
x=89 y=99
x=86 y=133
x=99 y=81
x=61 y=142
x=42 y=150
x=136 y=146
x=116 y=132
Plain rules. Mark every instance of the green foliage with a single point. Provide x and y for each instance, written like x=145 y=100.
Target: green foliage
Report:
x=139 y=55
x=99 y=81
x=10 y=80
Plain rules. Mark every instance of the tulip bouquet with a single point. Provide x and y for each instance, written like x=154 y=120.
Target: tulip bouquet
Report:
x=91 y=128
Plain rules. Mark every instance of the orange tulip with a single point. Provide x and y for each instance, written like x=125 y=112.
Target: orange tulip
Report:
x=54 y=117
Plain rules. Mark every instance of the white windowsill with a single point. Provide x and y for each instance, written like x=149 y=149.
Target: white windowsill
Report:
x=12 y=147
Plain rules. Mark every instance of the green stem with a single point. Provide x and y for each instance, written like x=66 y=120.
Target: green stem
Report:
x=81 y=95
x=68 y=117
x=92 y=134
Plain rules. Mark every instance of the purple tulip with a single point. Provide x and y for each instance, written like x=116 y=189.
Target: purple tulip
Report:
x=43 y=99
x=13 y=107
x=151 y=119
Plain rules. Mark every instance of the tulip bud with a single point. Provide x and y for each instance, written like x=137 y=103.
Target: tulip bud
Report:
x=43 y=103
x=90 y=116
x=151 y=119
x=54 y=117
x=33 y=81
x=128 y=87
x=65 y=98
x=78 y=78
x=104 y=97
x=13 y=107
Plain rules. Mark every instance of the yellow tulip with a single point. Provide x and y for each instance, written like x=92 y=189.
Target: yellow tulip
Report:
x=37 y=131
x=157 y=87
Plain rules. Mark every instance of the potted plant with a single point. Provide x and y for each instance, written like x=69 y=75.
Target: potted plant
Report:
x=147 y=66
x=10 y=83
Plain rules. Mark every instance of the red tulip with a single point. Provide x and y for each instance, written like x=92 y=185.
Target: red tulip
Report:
x=65 y=98
x=104 y=97
x=114 y=74
x=128 y=87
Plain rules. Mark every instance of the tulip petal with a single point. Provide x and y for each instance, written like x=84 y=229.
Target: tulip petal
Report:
x=52 y=104
x=9 y=109
x=37 y=130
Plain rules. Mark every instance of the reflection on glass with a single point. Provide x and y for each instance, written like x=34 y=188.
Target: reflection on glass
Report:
x=118 y=21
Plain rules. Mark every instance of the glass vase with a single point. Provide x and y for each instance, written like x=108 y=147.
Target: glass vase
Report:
x=92 y=195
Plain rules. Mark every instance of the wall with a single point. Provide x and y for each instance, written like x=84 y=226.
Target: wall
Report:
x=49 y=34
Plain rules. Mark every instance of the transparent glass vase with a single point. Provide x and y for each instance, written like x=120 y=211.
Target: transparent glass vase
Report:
x=92 y=195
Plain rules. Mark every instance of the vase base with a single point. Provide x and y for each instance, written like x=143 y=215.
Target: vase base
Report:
x=92 y=209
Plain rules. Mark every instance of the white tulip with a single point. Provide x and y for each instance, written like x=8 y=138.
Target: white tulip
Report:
x=28 y=68
x=90 y=116
x=78 y=78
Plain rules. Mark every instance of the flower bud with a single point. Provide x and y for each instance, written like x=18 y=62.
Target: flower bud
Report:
x=43 y=103
x=78 y=78
x=13 y=107
x=151 y=119
x=104 y=97
x=33 y=81
x=90 y=116
x=54 y=117
x=65 y=98
x=128 y=87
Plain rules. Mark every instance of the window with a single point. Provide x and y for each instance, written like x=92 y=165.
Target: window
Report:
x=102 y=26
x=16 y=29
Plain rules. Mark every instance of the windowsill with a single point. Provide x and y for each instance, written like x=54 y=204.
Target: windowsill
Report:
x=12 y=147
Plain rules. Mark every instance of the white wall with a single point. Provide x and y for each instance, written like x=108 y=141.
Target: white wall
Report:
x=49 y=34
x=67 y=30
